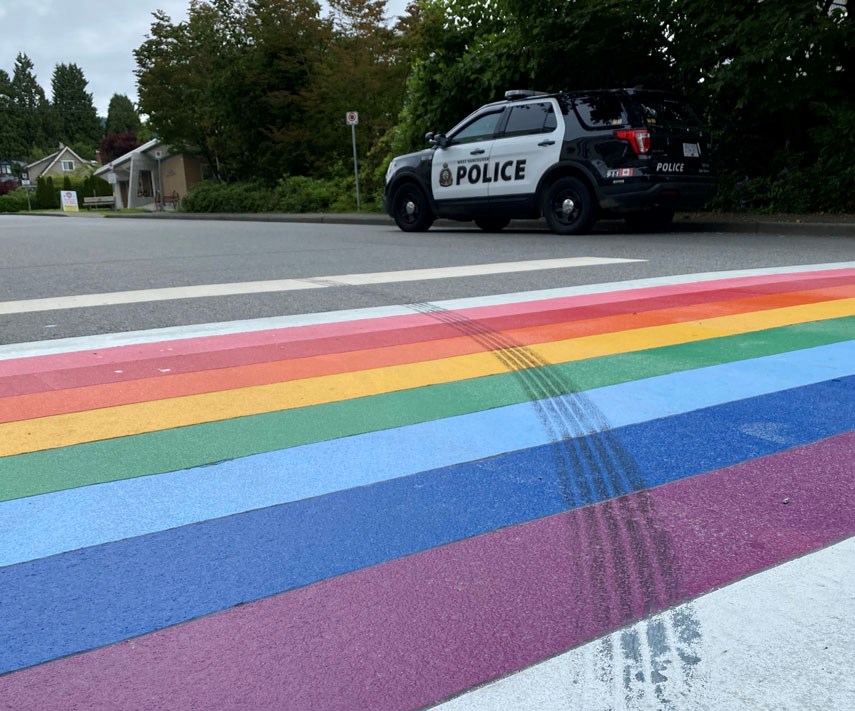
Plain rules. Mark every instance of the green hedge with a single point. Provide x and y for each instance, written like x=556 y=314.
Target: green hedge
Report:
x=291 y=194
x=14 y=202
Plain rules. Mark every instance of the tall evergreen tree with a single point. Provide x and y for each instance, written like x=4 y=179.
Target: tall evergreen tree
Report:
x=11 y=143
x=31 y=109
x=122 y=117
x=76 y=115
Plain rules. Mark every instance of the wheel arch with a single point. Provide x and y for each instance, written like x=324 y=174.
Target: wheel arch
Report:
x=567 y=170
x=402 y=177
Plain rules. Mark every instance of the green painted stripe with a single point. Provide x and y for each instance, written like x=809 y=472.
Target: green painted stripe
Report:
x=182 y=448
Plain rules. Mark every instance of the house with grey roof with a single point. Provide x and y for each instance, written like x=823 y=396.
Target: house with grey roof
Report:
x=57 y=165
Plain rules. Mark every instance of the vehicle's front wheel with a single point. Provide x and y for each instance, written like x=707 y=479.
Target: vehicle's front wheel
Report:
x=492 y=224
x=568 y=207
x=411 y=210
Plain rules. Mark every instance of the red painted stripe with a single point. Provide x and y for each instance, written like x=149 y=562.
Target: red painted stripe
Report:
x=82 y=398
x=373 y=327
x=415 y=630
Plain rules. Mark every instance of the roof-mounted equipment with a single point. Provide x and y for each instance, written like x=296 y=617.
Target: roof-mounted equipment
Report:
x=518 y=94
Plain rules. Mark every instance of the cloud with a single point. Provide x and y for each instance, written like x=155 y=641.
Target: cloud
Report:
x=97 y=36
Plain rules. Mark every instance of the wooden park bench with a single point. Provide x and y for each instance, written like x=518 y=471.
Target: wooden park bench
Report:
x=99 y=201
x=170 y=199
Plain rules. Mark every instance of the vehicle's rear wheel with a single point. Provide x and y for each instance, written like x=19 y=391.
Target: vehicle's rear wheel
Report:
x=492 y=224
x=411 y=210
x=568 y=207
x=657 y=220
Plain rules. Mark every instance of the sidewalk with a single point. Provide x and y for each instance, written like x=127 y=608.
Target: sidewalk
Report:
x=816 y=225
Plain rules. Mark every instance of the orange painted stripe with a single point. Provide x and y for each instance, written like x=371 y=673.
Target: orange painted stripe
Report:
x=43 y=404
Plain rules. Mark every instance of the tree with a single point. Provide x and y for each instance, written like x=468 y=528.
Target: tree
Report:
x=115 y=145
x=468 y=52
x=178 y=69
x=773 y=78
x=228 y=83
x=11 y=133
x=364 y=69
x=122 y=117
x=31 y=111
x=47 y=196
x=75 y=113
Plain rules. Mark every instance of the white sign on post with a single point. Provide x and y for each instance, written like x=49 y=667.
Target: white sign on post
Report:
x=352 y=118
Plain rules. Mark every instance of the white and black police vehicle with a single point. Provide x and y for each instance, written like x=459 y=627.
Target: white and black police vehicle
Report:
x=571 y=157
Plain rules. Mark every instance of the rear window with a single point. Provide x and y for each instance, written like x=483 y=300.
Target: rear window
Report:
x=531 y=118
x=666 y=111
x=601 y=110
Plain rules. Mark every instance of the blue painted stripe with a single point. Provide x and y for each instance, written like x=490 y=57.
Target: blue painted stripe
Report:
x=101 y=595
x=50 y=524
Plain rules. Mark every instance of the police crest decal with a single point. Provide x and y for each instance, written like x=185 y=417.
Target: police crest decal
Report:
x=445 y=179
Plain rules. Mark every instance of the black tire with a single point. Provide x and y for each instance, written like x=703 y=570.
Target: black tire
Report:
x=411 y=210
x=492 y=224
x=568 y=207
x=657 y=220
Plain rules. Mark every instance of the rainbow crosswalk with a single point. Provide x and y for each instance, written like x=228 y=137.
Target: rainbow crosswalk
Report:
x=386 y=508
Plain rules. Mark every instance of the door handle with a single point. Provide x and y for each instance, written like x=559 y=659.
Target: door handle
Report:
x=546 y=143
x=477 y=152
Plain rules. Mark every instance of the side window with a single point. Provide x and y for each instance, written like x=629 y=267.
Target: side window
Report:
x=481 y=129
x=526 y=119
x=601 y=111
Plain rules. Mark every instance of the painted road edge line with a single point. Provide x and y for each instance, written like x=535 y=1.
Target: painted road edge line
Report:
x=177 y=333
x=117 y=298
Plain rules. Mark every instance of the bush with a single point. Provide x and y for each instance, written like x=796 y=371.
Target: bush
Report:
x=291 y=194
x=14 y=202
x=47 y=196
x=300 y=194
x=228 y=197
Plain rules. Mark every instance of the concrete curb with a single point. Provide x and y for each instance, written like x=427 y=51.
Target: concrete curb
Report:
x=811 y=226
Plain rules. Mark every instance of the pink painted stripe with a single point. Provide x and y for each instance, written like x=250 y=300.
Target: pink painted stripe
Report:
x=114 y=357
x=674 y=308
x=415 y=630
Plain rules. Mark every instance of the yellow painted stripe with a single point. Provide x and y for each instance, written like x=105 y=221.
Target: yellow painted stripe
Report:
x=63 y=430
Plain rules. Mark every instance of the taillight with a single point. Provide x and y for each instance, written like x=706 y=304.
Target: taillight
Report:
x=638 y=138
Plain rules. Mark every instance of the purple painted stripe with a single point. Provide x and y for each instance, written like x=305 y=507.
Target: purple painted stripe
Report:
x=412 y=631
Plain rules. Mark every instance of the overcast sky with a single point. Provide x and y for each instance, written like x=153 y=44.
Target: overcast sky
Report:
x=97 y=35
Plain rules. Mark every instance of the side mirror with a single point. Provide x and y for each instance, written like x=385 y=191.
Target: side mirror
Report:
x=436 y=139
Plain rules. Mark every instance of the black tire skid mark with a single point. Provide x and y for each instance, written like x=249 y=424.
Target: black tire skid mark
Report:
x=622 y=533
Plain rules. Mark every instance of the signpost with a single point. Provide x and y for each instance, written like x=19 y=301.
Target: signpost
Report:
x=352 y=118
x=25 y=182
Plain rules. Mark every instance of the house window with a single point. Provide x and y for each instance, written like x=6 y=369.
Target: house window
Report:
x=67 y=166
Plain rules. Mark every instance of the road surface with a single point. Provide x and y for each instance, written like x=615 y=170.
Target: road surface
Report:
x=336 y=467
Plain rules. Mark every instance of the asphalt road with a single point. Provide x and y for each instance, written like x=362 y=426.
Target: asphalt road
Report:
x=47 y=257
x=609 y=473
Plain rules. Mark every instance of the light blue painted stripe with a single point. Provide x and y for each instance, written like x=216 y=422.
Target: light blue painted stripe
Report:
x=62 y=521
x=175 y=333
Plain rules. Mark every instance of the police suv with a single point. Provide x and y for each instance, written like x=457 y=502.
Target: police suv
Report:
x=570 y=157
